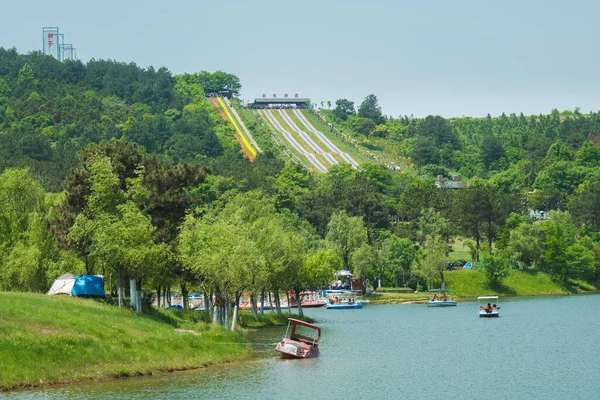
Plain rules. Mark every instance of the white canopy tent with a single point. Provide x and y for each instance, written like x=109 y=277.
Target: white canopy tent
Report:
x=62 y=285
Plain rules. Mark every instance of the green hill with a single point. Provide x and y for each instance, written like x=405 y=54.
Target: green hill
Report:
x=56 y=339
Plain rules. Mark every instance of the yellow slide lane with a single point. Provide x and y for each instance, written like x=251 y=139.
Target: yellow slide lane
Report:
x=245 y=142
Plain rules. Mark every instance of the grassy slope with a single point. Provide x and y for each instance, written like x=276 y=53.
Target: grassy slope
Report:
x=291 y=115
x=460 y=251
x=467 y=283
x=243 y=138
x=300 y=141
x=254 y=125
x=53 y=339
x=337 y=140
x=472 y=282
x=281 y=144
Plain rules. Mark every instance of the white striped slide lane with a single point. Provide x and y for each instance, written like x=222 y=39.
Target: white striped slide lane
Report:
x=311 y=158
x=307 y=138
x=324 y=139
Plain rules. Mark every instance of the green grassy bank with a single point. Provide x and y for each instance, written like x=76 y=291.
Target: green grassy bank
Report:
x=60 y=339
x=468 y=283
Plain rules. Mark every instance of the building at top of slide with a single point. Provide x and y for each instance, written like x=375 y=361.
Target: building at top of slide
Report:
x=279 y=102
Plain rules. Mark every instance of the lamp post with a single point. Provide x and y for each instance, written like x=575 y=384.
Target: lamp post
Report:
x=380 y=270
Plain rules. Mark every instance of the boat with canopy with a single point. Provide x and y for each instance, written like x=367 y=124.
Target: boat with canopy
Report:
x=301 y=340
x=488 y=307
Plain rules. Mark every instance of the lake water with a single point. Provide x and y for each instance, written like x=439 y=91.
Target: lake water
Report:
x=539 y=348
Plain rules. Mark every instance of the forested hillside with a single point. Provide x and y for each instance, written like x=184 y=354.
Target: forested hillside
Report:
x=128 y=172
x=49 y=111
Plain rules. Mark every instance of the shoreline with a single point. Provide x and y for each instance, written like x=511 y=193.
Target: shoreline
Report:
x=112 y=377
x=404 y=299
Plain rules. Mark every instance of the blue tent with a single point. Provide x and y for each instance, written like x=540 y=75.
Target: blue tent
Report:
x=468 y=265
x=88 y=286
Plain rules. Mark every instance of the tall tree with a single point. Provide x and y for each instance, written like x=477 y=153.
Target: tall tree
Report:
x=370 y=108
x=343 y=108
x=345 y=234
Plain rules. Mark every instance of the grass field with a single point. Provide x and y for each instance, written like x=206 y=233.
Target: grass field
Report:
x=60 y=339
x=460 y=251
x=469 y=283
x=472 y=283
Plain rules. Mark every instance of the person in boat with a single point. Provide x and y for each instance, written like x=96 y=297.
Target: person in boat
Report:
x=488 y=308
x=494 y=307
x=434 y=298
x=444 y=297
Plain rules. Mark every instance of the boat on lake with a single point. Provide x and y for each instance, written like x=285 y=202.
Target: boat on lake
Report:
x=309 y=300
x=301 y=340
x=488 y=307
x=341 y=301
x=439 y=298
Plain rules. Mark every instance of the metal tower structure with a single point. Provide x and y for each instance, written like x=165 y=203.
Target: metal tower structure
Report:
x=50 y=41
x=68 y=52
x=53 y=44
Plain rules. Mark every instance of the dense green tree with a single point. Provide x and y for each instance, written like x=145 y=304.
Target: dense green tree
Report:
x=588 y=155
x=482 y=210
x=370 y=109
x=496 y=269
x=343 y=108
x=363 y=125
x=526 y=245
x=492 y=151
x=584 y=205
x=397 y=255
x=219 y=80
x=345 y=234
x=431 y=262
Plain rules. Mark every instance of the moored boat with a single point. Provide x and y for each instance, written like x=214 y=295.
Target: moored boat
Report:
x=301 y=340
x=309 y=300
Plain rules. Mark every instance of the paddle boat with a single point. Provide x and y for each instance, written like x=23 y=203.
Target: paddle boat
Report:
x=439 y=298
x=301 y=340
x=343 y=301
x=488 y=306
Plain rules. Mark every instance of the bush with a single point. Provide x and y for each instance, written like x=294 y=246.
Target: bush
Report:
x=496 y=268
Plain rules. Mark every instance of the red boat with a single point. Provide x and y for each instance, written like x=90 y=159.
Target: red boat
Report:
x=309 y=300
x=301 y=340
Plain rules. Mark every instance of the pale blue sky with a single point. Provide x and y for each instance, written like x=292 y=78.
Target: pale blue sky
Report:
x=420 y=57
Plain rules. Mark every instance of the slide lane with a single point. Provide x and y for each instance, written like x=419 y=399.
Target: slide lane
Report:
x=241 y=123
x=310 y=156
x=318 y=155
x=237 y=139
x=212 y=100
x=324 y=139
x=307 y=138
x=243 y=139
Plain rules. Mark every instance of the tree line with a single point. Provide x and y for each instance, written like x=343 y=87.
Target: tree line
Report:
x=153 y=191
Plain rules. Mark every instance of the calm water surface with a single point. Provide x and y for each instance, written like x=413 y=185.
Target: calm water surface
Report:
x=539 y=348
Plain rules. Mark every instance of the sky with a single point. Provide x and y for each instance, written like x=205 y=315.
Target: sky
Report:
x=421 y=57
